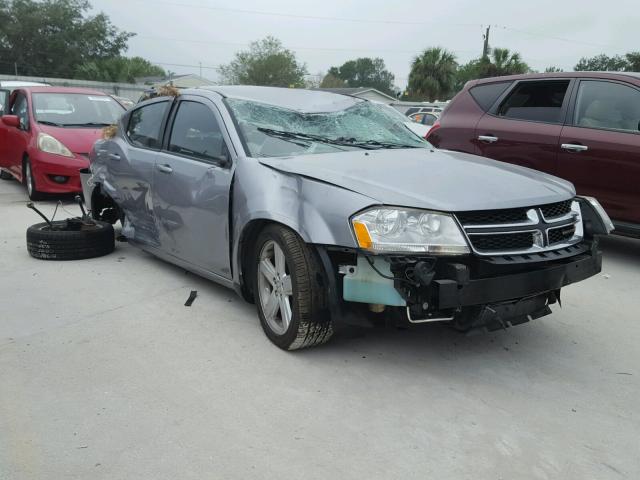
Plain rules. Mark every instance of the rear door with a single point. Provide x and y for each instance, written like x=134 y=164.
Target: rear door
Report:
x=524 y=126
x=131 y=166
x=192 y=180
x=455 y=128
x=600 y=146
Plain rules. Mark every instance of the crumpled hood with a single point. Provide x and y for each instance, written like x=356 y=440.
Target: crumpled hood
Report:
x=432 y=179
x=78 y=140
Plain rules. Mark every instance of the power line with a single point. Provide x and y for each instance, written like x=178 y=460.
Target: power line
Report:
x=300 y=17
x=372 y=21
x=293 y=47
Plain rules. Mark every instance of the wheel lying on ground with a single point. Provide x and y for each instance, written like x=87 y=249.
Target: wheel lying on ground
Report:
x=290 y=292
x=88 y=242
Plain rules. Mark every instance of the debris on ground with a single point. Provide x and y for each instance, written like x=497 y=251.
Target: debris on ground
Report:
x=192 y=297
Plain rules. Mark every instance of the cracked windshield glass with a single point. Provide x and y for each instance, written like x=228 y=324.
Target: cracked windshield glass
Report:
x=271 y=131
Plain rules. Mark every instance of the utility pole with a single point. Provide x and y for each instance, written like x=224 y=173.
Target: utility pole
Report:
x=485 y=49
x=15 y=68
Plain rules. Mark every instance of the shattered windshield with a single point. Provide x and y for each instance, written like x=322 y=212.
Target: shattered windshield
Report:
x=271 y=131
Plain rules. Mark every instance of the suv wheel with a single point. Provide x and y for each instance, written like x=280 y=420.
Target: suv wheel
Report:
x=289 y=290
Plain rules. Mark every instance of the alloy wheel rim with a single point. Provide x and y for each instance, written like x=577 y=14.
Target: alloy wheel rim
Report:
x=275 y=287
x=29 y=179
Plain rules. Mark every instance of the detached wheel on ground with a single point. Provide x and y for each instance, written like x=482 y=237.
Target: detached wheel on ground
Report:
x=62 y=243
x=30 y=183
x=290 y=292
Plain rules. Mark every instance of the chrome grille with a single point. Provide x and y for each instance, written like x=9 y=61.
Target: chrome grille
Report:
x=514 y=241
x=555 y=210
x=522 y=230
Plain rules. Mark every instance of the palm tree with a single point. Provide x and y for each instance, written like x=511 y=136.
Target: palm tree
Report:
x=433 y=74
x=502 y=62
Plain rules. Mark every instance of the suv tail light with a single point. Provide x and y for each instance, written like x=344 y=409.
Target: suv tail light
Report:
x=433 y=128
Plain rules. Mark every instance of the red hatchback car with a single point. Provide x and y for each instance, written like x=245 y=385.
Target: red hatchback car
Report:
x=581 y=126
x=46 y=134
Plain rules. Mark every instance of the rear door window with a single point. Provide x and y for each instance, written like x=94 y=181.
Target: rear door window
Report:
x=536 y=101
x=196 y=133
x=607 y=105
x=487 y=94
x=145 y=125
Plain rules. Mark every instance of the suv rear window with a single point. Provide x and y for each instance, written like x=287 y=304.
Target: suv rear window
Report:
x=537 y=101
x=486 y=95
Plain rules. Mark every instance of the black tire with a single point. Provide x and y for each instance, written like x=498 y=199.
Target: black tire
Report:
x=90 y=242
x=310 y=323
x=5 y=175
x=30 y=182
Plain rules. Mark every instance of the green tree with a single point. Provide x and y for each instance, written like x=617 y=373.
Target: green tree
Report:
x=502 y=62
x=553 y=69
x=119 y=69
x=331 y=81
x=433 y=75
x=365 y=72
x=266 y=62
x=601 y=63
x=633 y=62
x=54 y=37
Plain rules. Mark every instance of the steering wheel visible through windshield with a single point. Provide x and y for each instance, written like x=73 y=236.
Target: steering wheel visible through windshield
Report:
x=271 y=131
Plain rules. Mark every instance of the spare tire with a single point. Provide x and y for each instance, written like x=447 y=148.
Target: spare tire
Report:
x=62 y=243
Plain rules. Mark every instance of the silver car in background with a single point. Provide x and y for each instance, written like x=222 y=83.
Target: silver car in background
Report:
x=325 y=211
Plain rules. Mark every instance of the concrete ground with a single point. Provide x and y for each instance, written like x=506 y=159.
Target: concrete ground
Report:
x=105 y=374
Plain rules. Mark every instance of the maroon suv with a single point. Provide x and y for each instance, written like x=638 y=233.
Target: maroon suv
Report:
x=581 y=126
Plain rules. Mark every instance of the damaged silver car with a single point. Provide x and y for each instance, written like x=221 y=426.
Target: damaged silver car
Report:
x=325 y=210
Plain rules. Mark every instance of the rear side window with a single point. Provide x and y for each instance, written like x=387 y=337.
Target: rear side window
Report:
x=411 y=111
x=607 y=105
x=537 y=101
x=196 y=133
x=145 y=125
x=486 y=95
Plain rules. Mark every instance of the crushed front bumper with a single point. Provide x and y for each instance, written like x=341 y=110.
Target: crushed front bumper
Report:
x=453 y=294
x=470 y=292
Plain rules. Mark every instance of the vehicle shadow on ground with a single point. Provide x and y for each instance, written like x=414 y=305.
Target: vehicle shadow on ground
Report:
x=621 y=249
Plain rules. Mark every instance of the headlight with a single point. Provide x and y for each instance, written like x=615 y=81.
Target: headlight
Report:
x=399 y=230
x=49 y=144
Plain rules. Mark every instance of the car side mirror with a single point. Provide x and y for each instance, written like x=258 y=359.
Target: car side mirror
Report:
x=11 y=120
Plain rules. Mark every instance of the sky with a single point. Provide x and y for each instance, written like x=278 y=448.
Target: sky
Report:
x=181 y=35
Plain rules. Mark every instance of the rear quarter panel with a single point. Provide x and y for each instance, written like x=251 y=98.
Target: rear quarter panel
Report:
x=458 y=125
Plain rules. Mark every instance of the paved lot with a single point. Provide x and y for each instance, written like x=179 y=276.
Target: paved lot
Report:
x=104 y=374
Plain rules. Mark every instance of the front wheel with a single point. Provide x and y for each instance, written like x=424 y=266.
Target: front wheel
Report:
x=290 y=290
x=30 y=182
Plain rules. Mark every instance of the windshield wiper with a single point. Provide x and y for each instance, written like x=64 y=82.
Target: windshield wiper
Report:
x=308 y=137
x=375 y=143
x=53 y=124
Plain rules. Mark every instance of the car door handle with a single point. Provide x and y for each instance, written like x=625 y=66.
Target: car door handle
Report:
x=114 y=156
x=164 y=168
x=488 y=138
x=574 y=147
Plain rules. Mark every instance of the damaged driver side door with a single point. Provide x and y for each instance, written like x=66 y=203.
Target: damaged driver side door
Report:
x=191 y=183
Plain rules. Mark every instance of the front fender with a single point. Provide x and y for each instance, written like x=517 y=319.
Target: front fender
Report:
x=317 y=211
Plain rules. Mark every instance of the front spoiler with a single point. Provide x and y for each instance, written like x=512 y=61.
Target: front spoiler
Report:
x=452 y=294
